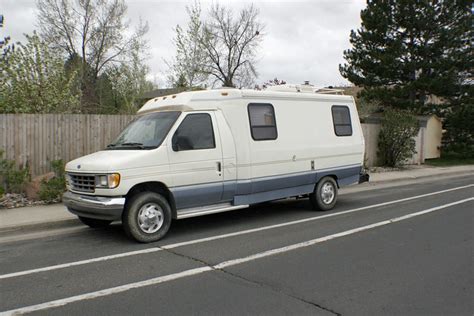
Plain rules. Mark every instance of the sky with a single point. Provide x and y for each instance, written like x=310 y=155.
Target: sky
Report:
x=303 y=40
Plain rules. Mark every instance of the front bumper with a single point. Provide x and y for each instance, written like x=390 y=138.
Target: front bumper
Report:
x=99 y=207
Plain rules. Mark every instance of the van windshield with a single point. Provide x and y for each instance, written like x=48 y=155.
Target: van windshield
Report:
x=145 y=132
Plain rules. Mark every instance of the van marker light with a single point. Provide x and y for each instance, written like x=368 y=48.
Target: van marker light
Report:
x=238 y=233
x=220 y=266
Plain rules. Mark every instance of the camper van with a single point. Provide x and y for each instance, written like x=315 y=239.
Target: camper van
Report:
x=204 y=152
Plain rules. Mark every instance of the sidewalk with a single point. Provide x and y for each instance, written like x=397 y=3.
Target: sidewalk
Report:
x=415 y=172
x=41 y=215
x=56 y=214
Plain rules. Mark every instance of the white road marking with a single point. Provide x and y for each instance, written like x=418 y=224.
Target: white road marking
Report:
x=222 y=265
x=78 y=263
x=238 y=233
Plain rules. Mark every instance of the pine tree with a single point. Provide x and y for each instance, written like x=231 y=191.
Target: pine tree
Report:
x=406 y=51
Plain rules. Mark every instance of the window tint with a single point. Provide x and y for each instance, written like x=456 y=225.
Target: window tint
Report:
x=195 y=132
x=262 y=121
x=341 y=118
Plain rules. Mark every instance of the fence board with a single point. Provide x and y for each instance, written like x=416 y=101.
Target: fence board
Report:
x=34 y=140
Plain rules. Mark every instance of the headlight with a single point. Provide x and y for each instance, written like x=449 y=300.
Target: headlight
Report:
x=107 y=181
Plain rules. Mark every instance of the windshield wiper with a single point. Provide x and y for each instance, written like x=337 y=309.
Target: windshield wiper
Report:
x=129 y=145
x=138 y=145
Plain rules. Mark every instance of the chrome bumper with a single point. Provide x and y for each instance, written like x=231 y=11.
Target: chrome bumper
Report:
x=100 y=207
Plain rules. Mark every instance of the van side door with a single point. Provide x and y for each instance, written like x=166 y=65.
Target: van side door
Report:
x=195 y=156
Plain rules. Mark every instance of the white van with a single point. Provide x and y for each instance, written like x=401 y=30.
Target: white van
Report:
x=203 y=152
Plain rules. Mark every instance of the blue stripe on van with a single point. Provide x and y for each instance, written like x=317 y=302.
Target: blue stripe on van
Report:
x=260 y=189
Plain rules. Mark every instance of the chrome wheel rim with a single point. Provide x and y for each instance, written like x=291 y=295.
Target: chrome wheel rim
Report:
x=328 y=193
x=150 y=218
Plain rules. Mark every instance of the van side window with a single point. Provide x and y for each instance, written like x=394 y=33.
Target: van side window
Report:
x=195 y=132
x=262 y=121
x=341 y=118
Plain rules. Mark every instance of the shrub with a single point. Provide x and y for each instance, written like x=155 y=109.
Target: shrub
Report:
x=52 y=190
x=13 y=179
x=395 y=142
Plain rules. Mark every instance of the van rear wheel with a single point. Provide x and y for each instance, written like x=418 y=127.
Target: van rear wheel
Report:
x=324 y=197
x=147 y=217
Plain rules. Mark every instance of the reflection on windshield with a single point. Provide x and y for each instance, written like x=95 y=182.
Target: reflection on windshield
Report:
x=147 y=131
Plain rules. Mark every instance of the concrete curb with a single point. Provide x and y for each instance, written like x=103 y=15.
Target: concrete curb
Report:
x=37 y=226
x=443 y=175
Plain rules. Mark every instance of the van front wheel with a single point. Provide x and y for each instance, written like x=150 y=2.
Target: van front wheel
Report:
x=324 y=197
x=147 y=217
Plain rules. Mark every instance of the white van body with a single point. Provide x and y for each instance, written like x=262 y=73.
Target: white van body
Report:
x=255 y=157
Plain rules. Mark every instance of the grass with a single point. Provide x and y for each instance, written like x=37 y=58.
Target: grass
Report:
x=446 y=161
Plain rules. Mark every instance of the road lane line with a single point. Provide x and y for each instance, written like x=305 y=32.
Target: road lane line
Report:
x=310 y=219
x=334 y=236
x=222 y=265
x=217 y=237
x=78 y=263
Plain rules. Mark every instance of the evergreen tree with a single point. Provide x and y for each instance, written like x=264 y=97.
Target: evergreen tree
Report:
x=406 y=51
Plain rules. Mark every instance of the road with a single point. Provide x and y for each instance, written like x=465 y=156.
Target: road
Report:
x=399 y=250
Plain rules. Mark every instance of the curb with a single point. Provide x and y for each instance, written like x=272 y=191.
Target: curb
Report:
x=73 y=222
x=443 y=175
x=37 y=226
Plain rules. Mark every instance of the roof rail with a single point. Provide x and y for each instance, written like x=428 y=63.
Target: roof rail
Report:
x=330 y=91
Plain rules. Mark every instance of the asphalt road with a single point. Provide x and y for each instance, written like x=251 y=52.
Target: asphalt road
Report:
x=400 y=250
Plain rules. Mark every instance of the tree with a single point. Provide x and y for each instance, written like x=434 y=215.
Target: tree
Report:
x=95 y=31
x=231 y=45
x=128 y=82
x=33 y=79
x=188 y=69
x=406 y=51
x=459 y=136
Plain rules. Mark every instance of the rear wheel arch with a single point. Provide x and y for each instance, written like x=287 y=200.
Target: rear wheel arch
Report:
x=328 y=175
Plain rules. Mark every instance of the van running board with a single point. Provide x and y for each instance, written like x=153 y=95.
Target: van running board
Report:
x=209 y=209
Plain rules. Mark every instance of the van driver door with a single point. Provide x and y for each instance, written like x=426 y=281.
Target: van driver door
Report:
x=195 y=157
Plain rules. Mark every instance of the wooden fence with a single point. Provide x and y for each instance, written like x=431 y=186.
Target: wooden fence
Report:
x=36 y=140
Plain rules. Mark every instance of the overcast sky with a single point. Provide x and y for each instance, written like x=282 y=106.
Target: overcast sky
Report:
x=303 y=40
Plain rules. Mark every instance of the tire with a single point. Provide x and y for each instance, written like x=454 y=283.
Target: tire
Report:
x=324 y=197
x=147 y=217
x=94 y=223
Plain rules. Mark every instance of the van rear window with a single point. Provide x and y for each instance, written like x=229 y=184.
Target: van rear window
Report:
x=262 y=121
x=341 y=118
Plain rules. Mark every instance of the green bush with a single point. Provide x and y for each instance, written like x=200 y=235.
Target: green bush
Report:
x=53 y=189
x=12 y=178
x=395 y=142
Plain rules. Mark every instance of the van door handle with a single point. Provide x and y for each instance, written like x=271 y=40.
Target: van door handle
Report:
x=219 y=166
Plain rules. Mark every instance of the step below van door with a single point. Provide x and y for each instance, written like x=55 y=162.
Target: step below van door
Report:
x=195 y=155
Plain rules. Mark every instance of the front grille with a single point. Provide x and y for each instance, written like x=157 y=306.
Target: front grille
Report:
x=83 y=183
